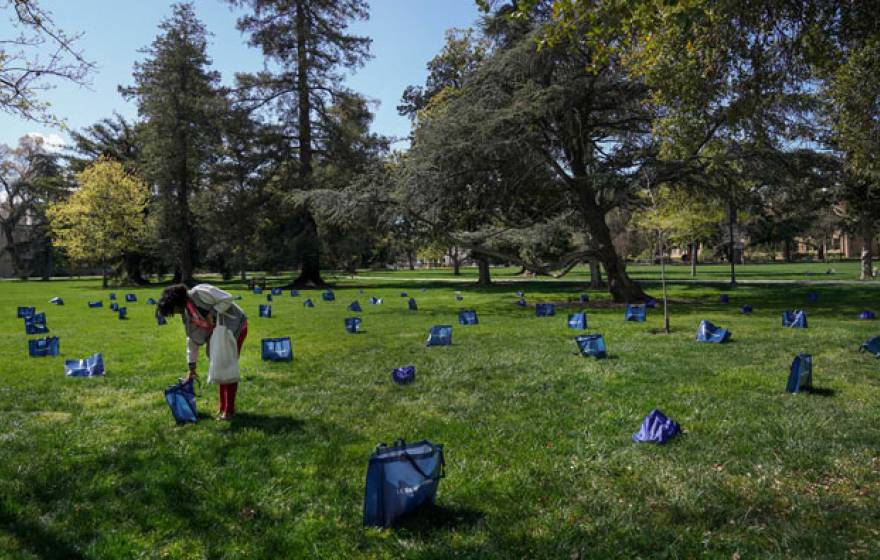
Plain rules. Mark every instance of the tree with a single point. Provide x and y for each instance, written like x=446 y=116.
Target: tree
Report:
x=30 y=177
x=104 y=218
x=177 y=97
x=39 y=54
x=307 y=41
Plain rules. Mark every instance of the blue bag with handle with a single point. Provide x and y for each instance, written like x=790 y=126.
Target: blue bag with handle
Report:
x=545 y=310
x=123 y=312
x=591 y=345
x=656 y=428
x=88 y=367
x=440 y=335
x=585 y=298
x=96 y=304
x=130 y=298
x=112 y=297
x=412 y=305
x=520 y=294
x=468 y=317
x=114 y=307
x=355 y=306
x=867 y=315
x=308 y=303
x=577 y=320
x=794 y=319
x=275 y=292
x=352 y=324
x=181 y=399
x=328 y=296
x=404 y=294
x=400 y=480
x=43 y=347
x=265 y=311
x=268 y=297
x=56 y=301
x=746 y=309
x=277 y=349
x=651 y=303
x=636 y=313
x=374 y=301
x=403 y=375
x=24 y=312
x=151 y=301
x=521 y=303
x=800 y=376
x=871 y=346
x=35 y=324
x=294 y=293
x=258 y=291
x=707 y=332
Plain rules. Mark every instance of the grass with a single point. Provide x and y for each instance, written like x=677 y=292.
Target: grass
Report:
x=540 y=463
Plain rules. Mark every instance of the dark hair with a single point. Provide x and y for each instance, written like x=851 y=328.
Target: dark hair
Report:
x=173 y=300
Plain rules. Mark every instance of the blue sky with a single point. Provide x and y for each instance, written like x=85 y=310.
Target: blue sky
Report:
x=405 y=33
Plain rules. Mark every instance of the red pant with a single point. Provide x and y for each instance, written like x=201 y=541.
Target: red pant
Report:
x=228 y=390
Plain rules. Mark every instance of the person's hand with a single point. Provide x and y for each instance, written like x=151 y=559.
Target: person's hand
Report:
x=192 y=375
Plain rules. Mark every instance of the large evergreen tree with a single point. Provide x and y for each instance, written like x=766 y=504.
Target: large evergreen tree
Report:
x=307 y=41
x=177 y=98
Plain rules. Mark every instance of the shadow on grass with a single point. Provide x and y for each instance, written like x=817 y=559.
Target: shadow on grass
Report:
x=267 y=424
x=822 y=392
x=424 y=522
x=35 y=538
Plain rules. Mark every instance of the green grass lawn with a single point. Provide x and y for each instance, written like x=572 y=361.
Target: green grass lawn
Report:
x=540 y=461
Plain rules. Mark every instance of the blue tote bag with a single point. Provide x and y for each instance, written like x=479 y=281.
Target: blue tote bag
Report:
x=355 y=306
x=403 y=375
x=35 y=324
x=181 y=399
x=265 y=311
x=353 y=324
x=545 y=310
x=277 y=350
x=328 y=296
x=413 y=306
x=591 y=345
x=800 y=376
x=468 y=317
x=440 y=335
x=577 y=321
x=25 y=312
x=707 y=332
x=88 y=367
x=635 y=313
x=400 y=480
x=43 y=347
x=794 y=319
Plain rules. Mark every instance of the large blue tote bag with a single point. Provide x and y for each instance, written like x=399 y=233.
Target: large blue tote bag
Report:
x=401 y=479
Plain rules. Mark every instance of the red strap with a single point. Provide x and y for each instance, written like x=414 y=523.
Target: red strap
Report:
x=196 y=318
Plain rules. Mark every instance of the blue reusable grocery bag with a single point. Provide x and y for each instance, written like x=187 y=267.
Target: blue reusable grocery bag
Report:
x=96 y=304
x=181 y=399
x=411 y=304
x=114 y=307
x=545 y=310
x=794 y=319
x=867 y=315
x=404 y=294
x=520 y=295
x=276 y=291
x=800 y=377
x=24 y=312
x=42 y=347
x=577 y=320
x=277 y=349
x=656 y=428
x=440 y=335
x=268 y=297
x=56 y=301
x=265 y=311
x=294 y=293
x=258 y=291
x=636 y=313
x=746 y=309
x=871 y=346
x=123 y=312
x=374 y=301
x=585 y=298
x=328 y=296
x=521 y=303
x=591 y=345
x=650 y=303
x=130 y=298
x=35 y=324
x=355 y=306
x=403 y=375
x=707 y=332
x=401 y=479
x=112 y=296
x=724 y=298
x=468 y=317
x=151 y=301
x=308 y=303
x=88 y=367
x=352 y=324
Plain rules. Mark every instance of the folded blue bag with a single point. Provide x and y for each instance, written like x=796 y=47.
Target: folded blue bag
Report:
x=328 y=296
x=867 y=315
x=411 y=304
x=650 y=303
x=656 y=428
x=467 y=317
x=112 y=296
x=545 y=310
x=724 y=298
x=352 y=324
x=374 y=301
x=114 y=307
x=636 y=313
x=794 y=319
x=355 y=306
x=35 y=324
x=43 y=347
x=308 y=303
x=294 y=293
x=440 y=335
x=585 y=298
x=24 y=312
x=577 y=320
x=871 y=346
x=522 y=303
x=258 y=291
x=591 y=345
x=520 y=294
x=123 y=312
x=96 y=304
x=401 y=479
x=800 y=377
x=56 y=301
x=265 y=311
x=130 y=298
x=403 y=375
x=151 y=301
x=181 y=399
x=707 y=332
x=88 y=367
x=746 y=309
x=268 y=297
x=277 y=349
x=404 y=294
x=276 y=291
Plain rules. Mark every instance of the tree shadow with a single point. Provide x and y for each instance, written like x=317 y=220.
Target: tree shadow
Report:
x=267 y=424
x=36 y=538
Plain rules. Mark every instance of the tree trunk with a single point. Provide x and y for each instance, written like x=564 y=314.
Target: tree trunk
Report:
x=485 y=275
x=310 y=271
x=595 y=275
x=867 y=227
x=663 y=282
x=456 y=261
x=412 y=261
x=694 y=247
x=620 y=285
x=731 y=219
x=786 y=250
x=104 y=275
x=132 y=266
x=820 y=250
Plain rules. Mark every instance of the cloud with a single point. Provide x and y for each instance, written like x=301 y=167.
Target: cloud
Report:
x=52 y=142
